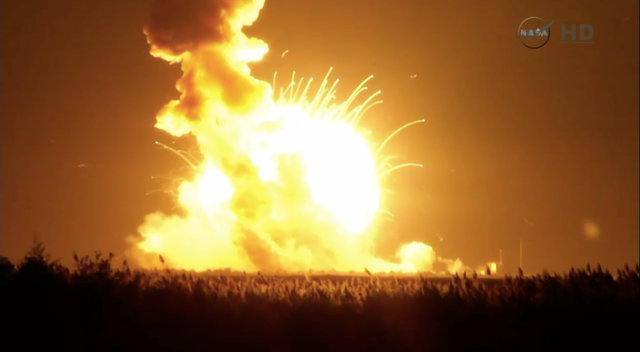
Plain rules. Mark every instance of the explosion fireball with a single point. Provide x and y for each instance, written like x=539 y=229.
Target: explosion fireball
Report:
x=286 y=181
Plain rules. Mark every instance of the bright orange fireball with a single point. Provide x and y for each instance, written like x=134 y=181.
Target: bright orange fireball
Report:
x=287 y=181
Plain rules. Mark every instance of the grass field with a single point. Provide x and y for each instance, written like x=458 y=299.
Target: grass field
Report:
x=96 y=306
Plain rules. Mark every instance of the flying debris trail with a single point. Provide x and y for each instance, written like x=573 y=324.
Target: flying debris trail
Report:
x=286 y=181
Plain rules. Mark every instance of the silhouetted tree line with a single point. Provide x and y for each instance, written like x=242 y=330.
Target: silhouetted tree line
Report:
x=98 y=307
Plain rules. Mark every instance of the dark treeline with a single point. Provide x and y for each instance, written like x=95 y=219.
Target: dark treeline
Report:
x=96 y=306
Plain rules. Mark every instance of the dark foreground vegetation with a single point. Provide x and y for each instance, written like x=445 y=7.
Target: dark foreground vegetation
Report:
x=98 y=307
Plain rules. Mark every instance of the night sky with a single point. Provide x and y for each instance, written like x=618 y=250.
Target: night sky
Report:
x=538 y=146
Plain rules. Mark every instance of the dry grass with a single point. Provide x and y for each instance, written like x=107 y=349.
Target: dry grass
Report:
x=98 y=307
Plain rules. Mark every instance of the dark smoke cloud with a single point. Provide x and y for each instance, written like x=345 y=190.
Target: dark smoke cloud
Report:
x=177 y=26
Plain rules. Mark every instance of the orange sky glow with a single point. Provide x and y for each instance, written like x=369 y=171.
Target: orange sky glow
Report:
x=537 y=147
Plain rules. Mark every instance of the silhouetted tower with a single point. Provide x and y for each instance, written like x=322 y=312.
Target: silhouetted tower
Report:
x=521 y=255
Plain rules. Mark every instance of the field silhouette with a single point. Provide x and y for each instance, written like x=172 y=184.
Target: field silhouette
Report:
x=97 y=306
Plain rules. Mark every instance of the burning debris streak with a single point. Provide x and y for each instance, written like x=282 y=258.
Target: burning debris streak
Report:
x=287 y=180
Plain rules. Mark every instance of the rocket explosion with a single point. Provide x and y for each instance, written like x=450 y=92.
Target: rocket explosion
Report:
x=286 y=182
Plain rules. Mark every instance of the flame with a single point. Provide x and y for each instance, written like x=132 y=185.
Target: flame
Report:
x=287 y=180
x=491 y=268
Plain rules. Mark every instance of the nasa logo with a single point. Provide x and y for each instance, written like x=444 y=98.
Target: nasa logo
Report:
x=534 y=32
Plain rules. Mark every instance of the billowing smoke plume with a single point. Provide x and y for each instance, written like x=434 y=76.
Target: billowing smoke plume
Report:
x=285 y=182
x=206 y=38
x=179 y=26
